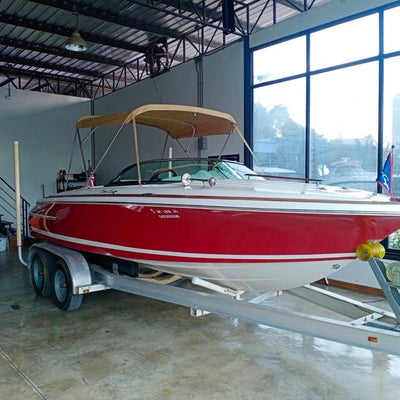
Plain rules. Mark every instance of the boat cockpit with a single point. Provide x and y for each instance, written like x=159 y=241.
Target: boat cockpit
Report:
x=172 y=170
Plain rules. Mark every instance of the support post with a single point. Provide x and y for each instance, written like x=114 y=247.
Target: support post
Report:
x=18 y=203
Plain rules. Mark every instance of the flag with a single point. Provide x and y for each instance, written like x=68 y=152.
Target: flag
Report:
x=385 y=178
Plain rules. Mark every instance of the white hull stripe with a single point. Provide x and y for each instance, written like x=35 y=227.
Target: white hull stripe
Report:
x=194 y=255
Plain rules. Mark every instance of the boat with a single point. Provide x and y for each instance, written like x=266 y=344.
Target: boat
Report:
x=349 y=173
x=213 y=219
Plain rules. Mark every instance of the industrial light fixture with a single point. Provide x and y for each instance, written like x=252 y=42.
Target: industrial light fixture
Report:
x=75 y=42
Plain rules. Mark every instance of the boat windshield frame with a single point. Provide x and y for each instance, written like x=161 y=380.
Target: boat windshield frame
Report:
x=162 y=171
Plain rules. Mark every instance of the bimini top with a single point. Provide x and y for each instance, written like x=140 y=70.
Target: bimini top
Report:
x=177 y=120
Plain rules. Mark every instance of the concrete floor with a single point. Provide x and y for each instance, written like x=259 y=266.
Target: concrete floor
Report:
x=121 y=346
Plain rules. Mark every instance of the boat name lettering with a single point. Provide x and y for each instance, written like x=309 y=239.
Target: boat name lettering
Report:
x=166 y=213
x=111 y=191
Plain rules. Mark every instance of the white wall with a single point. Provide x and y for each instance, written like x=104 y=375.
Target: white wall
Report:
x=44 y=125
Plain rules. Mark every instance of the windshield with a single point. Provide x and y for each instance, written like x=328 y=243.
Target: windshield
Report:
x=172 y=170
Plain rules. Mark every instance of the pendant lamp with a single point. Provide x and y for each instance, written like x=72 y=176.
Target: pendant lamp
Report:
x=75 y=42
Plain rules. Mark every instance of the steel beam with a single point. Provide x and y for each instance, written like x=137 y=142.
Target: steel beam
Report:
x=6 y=81
x=41 y=64
x=190 y=6
x=109 y=16
x=61 y=30
x=203 y=19
x=293 y=4
x=60 y=84
x=23 y=44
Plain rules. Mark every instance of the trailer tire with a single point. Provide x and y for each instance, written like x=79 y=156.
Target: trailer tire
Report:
x=41 y=267
x=63 y=295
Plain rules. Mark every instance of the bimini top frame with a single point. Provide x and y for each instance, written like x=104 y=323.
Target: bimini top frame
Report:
x=177 y=121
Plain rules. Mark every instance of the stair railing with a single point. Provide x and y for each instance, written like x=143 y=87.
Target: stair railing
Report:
x=7 y=205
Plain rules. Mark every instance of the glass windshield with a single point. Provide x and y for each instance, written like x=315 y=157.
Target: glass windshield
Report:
x=172 y=170
x=241 y=171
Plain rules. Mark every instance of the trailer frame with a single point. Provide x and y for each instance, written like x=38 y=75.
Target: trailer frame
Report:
x=363 y=325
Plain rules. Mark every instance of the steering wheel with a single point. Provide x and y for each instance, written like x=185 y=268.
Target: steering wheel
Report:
x=161 y=171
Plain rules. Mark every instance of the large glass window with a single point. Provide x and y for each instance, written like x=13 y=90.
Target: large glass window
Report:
x=391 y=125
x=331 y=110
x=345 y=42
x=344 y=126
x=392 y=30
x=280 y=60
x=279 y=133
x=392 y=103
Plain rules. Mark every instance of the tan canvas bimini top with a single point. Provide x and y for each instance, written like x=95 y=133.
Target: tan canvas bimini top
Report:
x=177 y=120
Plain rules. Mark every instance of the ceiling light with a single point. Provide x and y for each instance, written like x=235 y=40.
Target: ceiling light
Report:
x=76 y=43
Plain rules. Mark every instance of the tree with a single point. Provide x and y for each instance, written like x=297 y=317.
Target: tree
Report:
x=262 y=124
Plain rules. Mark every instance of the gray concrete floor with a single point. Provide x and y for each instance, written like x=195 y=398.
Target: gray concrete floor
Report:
x=122 y=346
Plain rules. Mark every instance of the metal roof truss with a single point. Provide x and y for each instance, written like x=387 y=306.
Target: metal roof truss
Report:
x=120 y=35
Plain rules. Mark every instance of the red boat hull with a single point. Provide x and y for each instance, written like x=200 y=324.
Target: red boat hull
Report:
x=160 y=233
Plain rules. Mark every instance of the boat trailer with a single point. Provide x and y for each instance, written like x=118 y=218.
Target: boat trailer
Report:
x=67 y=276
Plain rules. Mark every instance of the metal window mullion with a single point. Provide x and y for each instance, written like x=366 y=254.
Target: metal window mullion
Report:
x=248 y=100
x=380 y=96
x=307 y=145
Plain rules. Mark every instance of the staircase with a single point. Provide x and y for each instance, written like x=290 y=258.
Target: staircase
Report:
x=7 y=209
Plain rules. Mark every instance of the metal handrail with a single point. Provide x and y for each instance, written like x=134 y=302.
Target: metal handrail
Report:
x=24 y=206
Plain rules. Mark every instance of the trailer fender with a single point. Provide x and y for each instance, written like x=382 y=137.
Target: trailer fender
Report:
x=75 y=262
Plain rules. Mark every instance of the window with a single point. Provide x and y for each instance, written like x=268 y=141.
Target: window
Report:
x=279 y=133
x=280 y=60
x=344 y=126
x=392 y=30
x=344 y=43
x=326 y=104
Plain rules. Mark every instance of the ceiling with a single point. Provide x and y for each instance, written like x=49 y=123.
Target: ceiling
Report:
x=121 y=35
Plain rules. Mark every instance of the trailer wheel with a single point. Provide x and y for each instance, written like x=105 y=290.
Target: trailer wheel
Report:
x=41 y=273
x=63 y=295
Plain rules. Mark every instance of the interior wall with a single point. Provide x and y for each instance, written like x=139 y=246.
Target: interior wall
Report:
x=44 y=126
x=222 y=89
